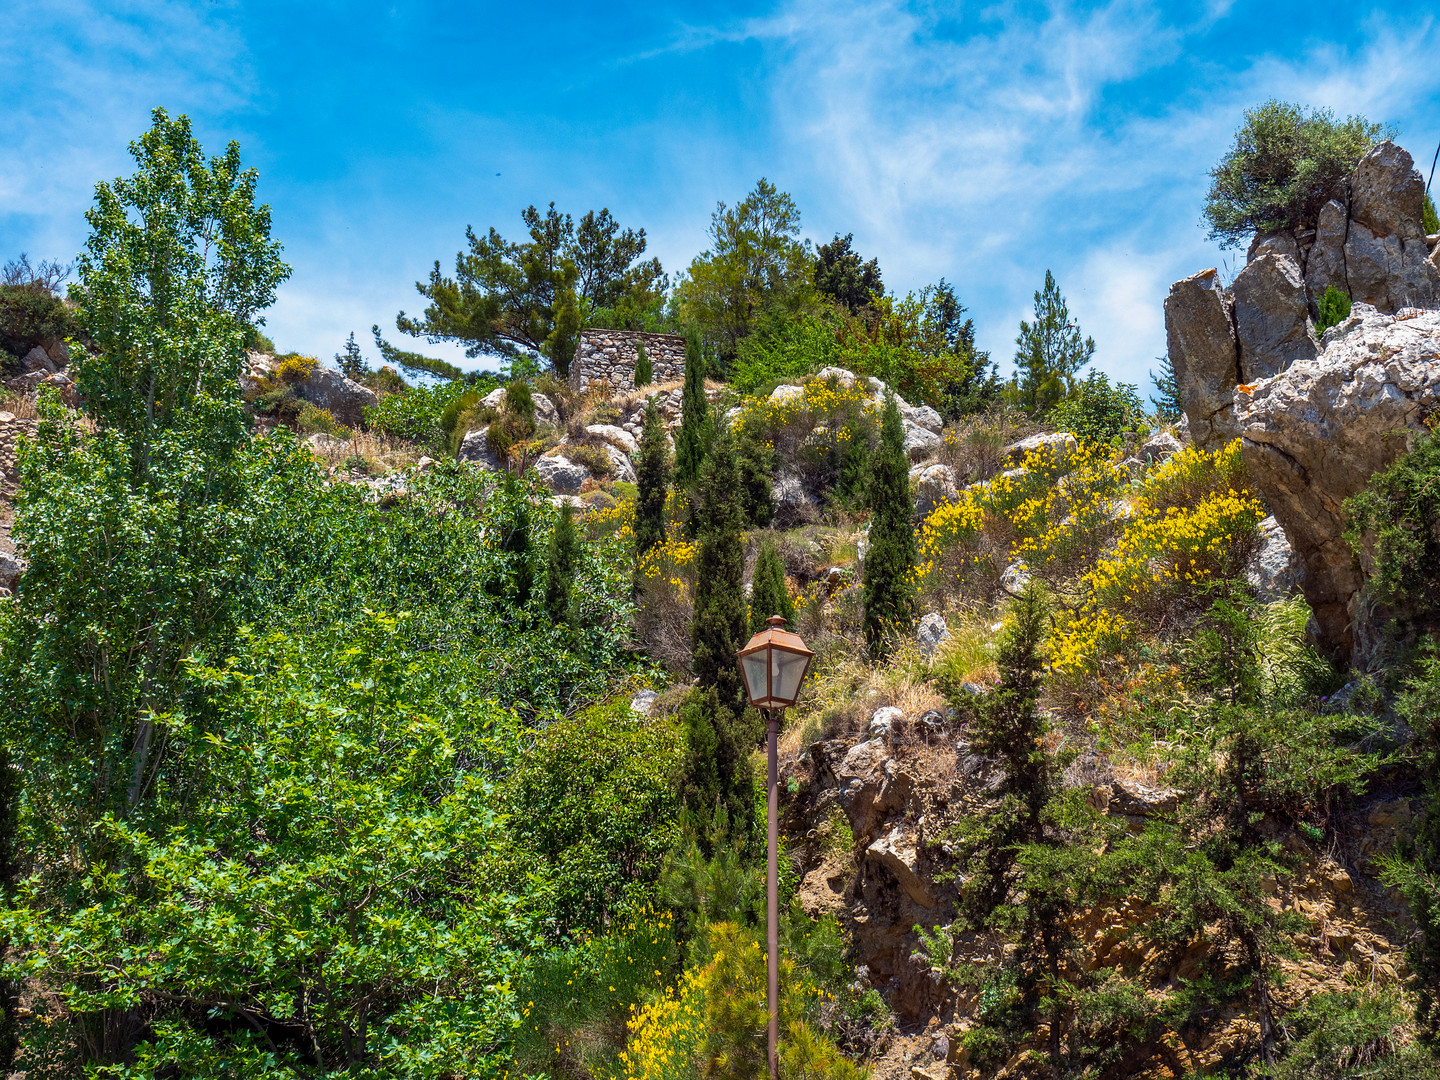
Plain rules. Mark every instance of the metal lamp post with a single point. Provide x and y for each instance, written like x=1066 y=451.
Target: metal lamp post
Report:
x=773 y=664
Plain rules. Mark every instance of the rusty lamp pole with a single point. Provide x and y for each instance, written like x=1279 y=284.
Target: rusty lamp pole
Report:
x=773 y=664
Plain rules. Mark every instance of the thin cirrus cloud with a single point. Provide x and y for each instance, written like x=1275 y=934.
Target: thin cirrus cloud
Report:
x=984 y=144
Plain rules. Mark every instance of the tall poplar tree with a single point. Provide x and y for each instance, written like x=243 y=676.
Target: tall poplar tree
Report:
x=697 y=429
x=889 y=595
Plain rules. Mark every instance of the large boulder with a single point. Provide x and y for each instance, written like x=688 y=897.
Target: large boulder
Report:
x=1200 y=332
x=1273 y=570
x=342 y=398
x=1325 y=265
x=934 y=486
x=563 y=475
x=1017 y=452
x=1272 y=317
x=1315 y=434
x=475 y=448
x=545 y=410
x=1387 y=260
x=919 y=441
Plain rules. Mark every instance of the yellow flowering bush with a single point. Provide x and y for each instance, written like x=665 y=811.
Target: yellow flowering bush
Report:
x=1052 y=514
x=825 y=432
x=712 y=1024
x=1194 y=521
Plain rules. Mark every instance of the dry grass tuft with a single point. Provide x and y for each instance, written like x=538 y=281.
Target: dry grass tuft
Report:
x=384 y=450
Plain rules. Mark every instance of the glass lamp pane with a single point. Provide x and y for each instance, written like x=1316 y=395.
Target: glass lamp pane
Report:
x=752 y=667
x=786 y=670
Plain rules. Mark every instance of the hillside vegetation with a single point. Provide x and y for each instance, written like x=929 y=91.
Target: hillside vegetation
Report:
x=385 y=721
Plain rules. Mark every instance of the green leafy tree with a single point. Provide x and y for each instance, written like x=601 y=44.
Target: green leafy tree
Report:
x=1097 y=411
x=310 y=912
x=755 y=261
x=890 y=558
x=1334 y=309
x=178 y=263
x=1168 y=406
x=510 y=300
x=717 y=629
x=769 y=594
x=1286 y=162
x=1049 y=353
x=697 y=427
x=562 y=559
x=652 y=480
x=644 y=370
x=844 y=277
x=351 y=363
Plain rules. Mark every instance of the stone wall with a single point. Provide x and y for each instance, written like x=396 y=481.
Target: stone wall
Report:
x=609 y=356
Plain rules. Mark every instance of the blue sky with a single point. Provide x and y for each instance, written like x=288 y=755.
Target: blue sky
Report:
x=981 y=143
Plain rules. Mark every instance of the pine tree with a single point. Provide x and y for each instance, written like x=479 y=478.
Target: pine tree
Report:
x=696 y=427
x=352 y=364
x=768 y=592
x=717 y=631
x=644 y=370
x=563 y=556
x=652 y=478
x=889 y=599
x=1049 y=352
x=1168 y=406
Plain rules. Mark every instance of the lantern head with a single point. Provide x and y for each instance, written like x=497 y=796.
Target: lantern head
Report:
x=773 y=665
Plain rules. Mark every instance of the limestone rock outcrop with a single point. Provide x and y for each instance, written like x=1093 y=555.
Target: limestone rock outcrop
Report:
x=1314 y=435
x=1369 y=242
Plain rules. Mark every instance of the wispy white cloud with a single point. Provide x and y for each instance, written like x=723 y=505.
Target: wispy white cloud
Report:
x=1073 y=139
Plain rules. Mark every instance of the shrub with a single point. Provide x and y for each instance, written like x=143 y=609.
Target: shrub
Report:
x=1098 y=411
x=1430 y=220
x=415 y=414
x=592 y=457
x=1285 y=164
x=1052 y=514
x=1394 y=528
x=31 y=316
x=292 y=368
x=769 y=594
x=312 y=420
x=1193 y=523
x=644 y=370
x=1334 y=309
x=825 y=434
x=888 y=581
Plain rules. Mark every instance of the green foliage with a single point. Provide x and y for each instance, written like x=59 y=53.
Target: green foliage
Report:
x=1049 y=353
x=350 y=362
x=1098 y=412
x=644 y=369
x=530 y=298
x=592 y=811
x=1415 y=868
x=1168 y=406
x=769 y=595
x=697 y=427
x=561 y=559
x=1430 y=221
x=1334 y=309
x=756 y=262
x=889 y=592
x=716 y=776
x=1394 y=528
x=717 y=629
x=1350 y=1036
x=412 y=363
x=9 y=872
x=1286 y=162
x=421 y=414
x=754 y=463
x=178 y=261
x=305 y=906
x=31 y=316
x=843 y=277
x=311 y=420
x=652 y=479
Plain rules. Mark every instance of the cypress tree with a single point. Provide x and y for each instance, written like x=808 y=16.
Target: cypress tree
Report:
x=768 y=594
x=696 y=427
x=717 y=762
x=564 y=554
x=717 y=631
x=652 y=478
x=889 y=603
x=644 y=370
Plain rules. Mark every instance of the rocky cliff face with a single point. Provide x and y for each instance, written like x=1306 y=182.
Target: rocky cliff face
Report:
x=1319 y=417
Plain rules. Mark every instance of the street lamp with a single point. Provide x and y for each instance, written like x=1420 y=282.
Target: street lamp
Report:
x=773 y=665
